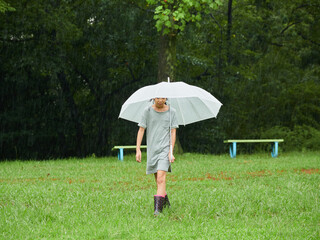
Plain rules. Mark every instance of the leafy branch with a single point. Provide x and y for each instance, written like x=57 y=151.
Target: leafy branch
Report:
x=5 y=7
x=172 y=16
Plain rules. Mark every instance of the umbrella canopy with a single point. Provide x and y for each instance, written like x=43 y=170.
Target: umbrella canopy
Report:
x=192 y=103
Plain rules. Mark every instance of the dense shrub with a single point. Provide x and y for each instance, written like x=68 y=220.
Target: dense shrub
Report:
x=299 y=138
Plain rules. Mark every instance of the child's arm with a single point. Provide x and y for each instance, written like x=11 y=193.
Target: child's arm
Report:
x=139 y=140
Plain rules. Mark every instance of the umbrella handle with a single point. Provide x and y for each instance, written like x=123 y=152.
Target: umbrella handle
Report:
x=170 y=140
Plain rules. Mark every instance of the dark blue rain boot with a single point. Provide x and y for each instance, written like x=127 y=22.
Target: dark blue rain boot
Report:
x=158 y=204
x=166 y=202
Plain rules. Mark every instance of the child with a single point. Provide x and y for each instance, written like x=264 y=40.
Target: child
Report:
x=156 y=119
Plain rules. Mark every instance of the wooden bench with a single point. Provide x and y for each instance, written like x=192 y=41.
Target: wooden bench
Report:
x=233 y=145
x=120 y=148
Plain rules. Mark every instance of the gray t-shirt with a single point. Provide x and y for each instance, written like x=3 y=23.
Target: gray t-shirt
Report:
x=158 y=137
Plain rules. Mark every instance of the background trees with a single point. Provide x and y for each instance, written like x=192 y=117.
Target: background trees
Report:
x=66 y=67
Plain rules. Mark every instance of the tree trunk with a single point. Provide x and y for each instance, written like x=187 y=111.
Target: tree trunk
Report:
x=73 y=111
x=167 y=67
x=229 y=28
x=167 y=61
x=102 y=135
x=219 y=65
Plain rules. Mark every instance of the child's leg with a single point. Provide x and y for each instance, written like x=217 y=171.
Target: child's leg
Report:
x=155 y=177
x=161 y=182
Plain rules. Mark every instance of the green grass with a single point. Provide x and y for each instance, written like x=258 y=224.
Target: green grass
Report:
x=213 y=197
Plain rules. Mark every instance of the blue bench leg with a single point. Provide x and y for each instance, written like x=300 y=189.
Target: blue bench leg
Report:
x=274 y=152
x=120 y=154
x=233 y=150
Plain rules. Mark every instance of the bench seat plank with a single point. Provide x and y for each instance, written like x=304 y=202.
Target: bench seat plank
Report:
x=120 y=148
x=253 y=140
x=128 y=147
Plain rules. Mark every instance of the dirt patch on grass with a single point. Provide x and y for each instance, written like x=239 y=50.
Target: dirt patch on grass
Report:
x=310 y=171
x=221 y=176
x=281 y=171
x=208 y=176
x=261 y=173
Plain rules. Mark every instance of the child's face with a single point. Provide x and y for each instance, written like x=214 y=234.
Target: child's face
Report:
x=160 y=102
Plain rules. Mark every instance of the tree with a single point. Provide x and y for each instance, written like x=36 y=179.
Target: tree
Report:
x=171 y=17
x=5 y=7
x=66 y=67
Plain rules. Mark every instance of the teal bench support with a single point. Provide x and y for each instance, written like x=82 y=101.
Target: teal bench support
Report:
x=233 y=149
x=233 y=145
x=274 y=147
x=120 y=154
x=120 y=148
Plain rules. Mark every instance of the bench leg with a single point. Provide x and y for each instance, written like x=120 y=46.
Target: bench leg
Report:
x=274 y=147
x=233 y=149
x=120 y=154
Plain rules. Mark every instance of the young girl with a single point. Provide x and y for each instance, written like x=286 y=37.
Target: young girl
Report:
x=156 y=119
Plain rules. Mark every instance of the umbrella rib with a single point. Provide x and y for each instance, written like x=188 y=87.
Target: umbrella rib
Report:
x=184 y=122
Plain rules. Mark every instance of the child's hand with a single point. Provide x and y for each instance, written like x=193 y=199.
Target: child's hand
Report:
x=138 y=155
x=171 y=158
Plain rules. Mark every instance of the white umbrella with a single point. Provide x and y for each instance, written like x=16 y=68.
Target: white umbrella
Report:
x=192 y=103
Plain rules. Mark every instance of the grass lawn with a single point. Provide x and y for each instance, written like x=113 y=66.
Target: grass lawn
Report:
x=212 y=197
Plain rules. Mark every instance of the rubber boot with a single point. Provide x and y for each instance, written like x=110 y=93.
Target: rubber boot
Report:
x=158 y=204
x=166 y=202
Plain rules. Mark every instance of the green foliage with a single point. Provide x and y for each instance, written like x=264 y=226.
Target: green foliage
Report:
x=4 y=6
x=66 y=68
x=172 y=16
x=300 y=138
